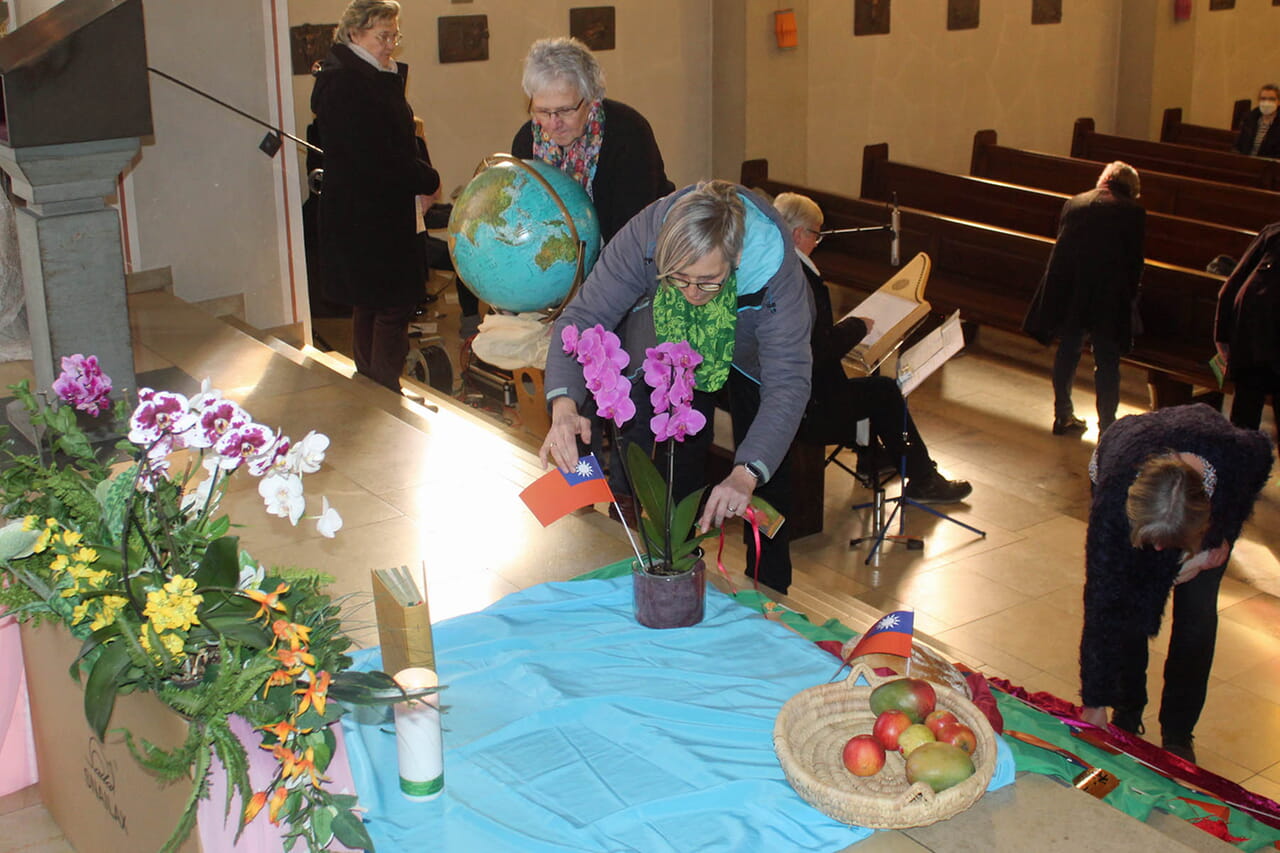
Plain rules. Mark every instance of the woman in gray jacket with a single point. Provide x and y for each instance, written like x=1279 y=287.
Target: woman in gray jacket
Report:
x=712 y=264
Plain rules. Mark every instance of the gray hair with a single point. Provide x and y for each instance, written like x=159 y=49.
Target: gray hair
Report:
x=363 y=15
x=710 y=217
x=1120 y=175
x=799 y=211
x=1167 y=505
x=563 y=60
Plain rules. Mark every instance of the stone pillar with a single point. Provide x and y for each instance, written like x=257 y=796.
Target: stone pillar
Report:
x=72 y=256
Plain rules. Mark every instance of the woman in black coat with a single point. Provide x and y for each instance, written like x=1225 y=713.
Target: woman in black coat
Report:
x=1088 y=290
x=1171 y=492
x=1247 y=329
x=372 y=174
x=605 y=145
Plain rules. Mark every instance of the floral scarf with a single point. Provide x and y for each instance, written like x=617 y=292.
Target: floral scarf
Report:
x=579 y=158
x=710 y=329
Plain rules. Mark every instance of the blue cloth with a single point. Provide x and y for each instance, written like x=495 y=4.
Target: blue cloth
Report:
x=570 y=727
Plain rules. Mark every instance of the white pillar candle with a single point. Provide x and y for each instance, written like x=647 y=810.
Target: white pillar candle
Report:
x=419 y=745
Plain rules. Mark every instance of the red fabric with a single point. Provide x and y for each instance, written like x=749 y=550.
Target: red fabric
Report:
x=985 y=700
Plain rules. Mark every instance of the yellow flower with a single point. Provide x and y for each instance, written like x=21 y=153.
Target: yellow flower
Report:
x=59 y=563
x=30 y=522
x=81 y=610
x=173 y=644
x=46 y=535
x=174 y=607
x=111 y=607
x=72 y=538
x=84 y=555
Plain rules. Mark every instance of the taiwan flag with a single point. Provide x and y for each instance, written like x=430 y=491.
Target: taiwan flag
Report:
x=556 y=494
x=890 y=636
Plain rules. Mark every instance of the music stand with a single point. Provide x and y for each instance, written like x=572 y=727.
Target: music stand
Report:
x=881 y=525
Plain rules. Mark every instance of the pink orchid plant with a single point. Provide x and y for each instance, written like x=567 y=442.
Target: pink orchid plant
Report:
x=667 y=527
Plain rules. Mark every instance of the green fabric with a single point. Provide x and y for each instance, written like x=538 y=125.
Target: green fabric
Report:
x=710 y=329
x=1141 y=789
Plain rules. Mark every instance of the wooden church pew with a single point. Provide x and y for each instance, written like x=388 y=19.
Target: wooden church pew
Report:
x=1226 y=167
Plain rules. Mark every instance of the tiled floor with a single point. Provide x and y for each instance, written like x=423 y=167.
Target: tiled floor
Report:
x=440 y=488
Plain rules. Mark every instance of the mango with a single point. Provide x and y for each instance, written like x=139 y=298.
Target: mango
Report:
x=913 y=696
x=939 y=765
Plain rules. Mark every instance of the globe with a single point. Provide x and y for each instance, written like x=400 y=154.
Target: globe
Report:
x=514 y=233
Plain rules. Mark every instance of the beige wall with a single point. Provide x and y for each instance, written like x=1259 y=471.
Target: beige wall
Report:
x=922 y=89
x=1235 y=53
x=661 y=66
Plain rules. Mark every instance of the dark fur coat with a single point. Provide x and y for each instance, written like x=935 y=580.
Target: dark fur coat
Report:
x=1126 y=588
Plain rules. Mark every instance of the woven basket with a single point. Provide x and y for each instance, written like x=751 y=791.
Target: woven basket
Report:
x=809 y=737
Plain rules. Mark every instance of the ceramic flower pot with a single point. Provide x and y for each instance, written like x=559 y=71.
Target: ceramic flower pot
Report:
x=669 y=601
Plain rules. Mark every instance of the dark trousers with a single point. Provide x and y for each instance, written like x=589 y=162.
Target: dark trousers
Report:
x=878 y=399
x=1252 y=387
x=775 y=553
x=380 y=342
x=1186 y=671
x=1106 y=377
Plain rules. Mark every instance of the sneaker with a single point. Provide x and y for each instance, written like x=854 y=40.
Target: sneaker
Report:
x=1181 y=748
x=934 y=488
x=1072 y=426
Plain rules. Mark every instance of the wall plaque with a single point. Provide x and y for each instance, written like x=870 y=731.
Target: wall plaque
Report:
x=1046 y=11
x=308 y=44
x=463 y=38
x=1215 y=5
x=962 y=14
x=870 y=17
x=593 y=26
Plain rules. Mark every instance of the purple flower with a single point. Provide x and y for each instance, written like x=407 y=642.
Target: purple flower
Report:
x=677 y=424
x=243 y=443
x=161 y=413
x=214 y=418
x=569 y=339
x=602 y=358
x=83 y=384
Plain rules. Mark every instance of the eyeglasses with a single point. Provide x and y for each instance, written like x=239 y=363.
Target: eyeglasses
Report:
x=704 y=286
x=390 y=39
x=817 y=235
x=544 y=116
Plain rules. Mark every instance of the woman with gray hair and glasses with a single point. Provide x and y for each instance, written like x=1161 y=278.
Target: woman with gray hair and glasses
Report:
x=713 y=265
x=369 y=253
x=603 y=144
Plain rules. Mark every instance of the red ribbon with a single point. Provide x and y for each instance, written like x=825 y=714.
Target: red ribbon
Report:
x=752 y=516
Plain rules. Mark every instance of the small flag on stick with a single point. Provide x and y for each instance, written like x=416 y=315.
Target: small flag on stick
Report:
x=556 y=494
x=890 y=636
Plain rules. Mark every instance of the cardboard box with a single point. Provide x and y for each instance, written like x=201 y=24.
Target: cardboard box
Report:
x=99 y=796
x=404 y=633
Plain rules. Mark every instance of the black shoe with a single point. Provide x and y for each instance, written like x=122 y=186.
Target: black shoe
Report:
x=1128 y=719
x=875 y=465
x=1181 y=747
x=1071 y=426
x=933 y=488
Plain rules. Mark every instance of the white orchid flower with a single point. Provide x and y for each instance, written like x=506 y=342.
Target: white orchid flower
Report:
x=307 y=455
x=282 y=494
x=251 y=576
x=329 y=521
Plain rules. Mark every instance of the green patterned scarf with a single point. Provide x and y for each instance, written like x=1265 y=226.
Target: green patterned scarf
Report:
x=709 y=329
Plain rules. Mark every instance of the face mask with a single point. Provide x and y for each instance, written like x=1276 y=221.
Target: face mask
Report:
x=1266 y=107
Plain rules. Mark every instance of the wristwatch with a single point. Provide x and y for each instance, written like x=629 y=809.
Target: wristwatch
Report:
x=754 y=470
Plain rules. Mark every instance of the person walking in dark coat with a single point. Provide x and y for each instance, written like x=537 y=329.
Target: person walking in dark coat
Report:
x=1247 y=329
x=605 y=145
x=372 y=174
x=1171 y=491
x=1089 y=289
x=1259 y=132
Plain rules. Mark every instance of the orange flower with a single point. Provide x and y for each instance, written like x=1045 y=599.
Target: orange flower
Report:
x=294 y=634
x=314 y=694
x=281 y=730
x=308 y=764
x=255 y=805
x=277 y=802
x=267 y=601
x=277 y=679
x=295 y=659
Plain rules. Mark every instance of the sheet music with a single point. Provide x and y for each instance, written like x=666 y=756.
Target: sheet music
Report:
x=918 y=363
x=886 y=310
